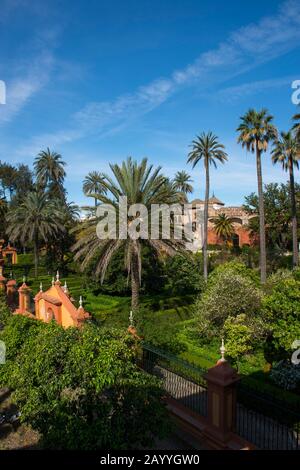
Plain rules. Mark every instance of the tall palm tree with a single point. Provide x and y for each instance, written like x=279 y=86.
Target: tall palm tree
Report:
x=223 y=226
x=182 y=183
x=141 y=184
x=93 y=185
x=287 y=152
x=50 y=173
x=296 y=126
x=255 y=133
x=207 y=148
x=37 y=219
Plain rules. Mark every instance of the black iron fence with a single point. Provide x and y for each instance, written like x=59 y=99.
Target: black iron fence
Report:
x=182 y=381
x=267 y=422
x=263 y=420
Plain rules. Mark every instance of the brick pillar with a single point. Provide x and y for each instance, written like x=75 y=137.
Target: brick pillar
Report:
x=221 y=391
x=2 y=278
x=11 y=292
x=24 y=298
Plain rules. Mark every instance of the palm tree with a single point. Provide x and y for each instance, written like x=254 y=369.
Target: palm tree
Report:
x=256 y=131
x=296 y=126
x=93 y=184
x=223 y=226
x=206 y=147
x=182 y=184
x=141 y=184
x=37 y=219
x=287 y=152
x=50 y=173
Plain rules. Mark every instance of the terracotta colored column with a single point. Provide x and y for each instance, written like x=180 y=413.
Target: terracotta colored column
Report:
x=11 y=292
x=221 y=391
x=24 y=298
x=2 y=278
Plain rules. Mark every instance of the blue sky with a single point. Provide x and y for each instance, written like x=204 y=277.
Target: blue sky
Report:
x=100 y=80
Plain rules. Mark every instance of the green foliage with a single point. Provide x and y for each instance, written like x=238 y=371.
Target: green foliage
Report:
x=81 y=388
x=4 y=311
x=242 y=334
x=184 y=275
x=235 y=267
x=282 y=309
x=228 y=293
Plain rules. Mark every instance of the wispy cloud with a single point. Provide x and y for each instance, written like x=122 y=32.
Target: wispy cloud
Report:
x=235 y=93
x=243 y=50
x=22 y=88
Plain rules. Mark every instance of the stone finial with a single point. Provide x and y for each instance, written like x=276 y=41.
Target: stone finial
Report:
x=41 y=287
x=53 y=281
x=131 y=319
x=222 y=350
x=24 y=279
x=65 y=288
x=57 y=278
x=80 y=302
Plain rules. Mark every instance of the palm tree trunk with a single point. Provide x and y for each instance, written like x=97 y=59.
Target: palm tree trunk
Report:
x=262 y=231
x=36 y=255
x=294 y=215
x=205 y=269
x=135 y=286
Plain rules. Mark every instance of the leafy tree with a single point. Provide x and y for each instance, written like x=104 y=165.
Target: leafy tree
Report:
x=141 y=185
x=281 y=309
x=8 y=175
x=92 y=184
x=81 y=388
x=37 y=219
x=255 y=132
x=228 y=294
x=207 y=148
x=277 y=204
x=50 y=173
x=287 y=152
x=183 y=275
x=182 y=183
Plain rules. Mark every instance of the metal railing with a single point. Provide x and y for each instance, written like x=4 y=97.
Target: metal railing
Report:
x=181 y=380
x=266 y=422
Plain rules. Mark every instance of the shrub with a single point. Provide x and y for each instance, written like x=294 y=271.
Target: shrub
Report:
x=227 y=294
x=275 y=278
x=81 y=388
x=242 y=334
x=286 y=375
x=282 y=310
x=184 y=275
x=235 y=267
x=4 y=310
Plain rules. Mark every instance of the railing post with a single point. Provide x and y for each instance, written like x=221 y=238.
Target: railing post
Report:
x=221 y=390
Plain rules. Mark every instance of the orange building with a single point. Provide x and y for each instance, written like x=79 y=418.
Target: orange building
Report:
x=53 y=304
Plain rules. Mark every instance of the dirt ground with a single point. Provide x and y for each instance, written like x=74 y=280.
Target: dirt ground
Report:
x=16 y=435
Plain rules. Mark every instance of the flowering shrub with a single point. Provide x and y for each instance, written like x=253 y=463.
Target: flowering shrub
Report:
x=227 y=295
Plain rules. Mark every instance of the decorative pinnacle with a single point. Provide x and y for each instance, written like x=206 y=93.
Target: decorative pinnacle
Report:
x=41 y=287
x=131 y=319
x=80 y=302
x=24 y=279
x=65 y=287
x=53 y=281
x=57 y=276
x=222 y=350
